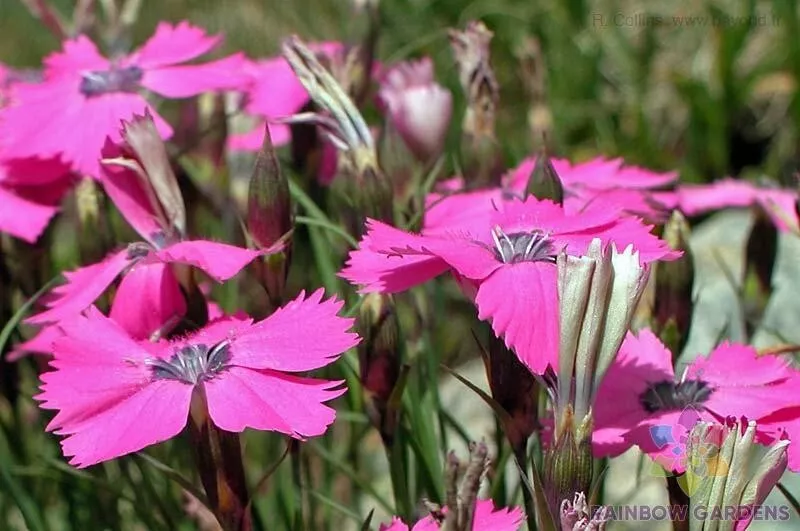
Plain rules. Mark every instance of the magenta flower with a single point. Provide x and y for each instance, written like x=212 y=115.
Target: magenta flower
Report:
x=30 y=192
x=506 y=258
x=274 y=92
x=418 y=107
x=695 y=199
x=115 y=395
x=641 y=402
x=486 y=519
x=84 y=96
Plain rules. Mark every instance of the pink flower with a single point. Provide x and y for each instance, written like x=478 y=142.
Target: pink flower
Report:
x=640 y=402
x=506 y=258
x=418 y=107
x=274 y=92
x=30 y=191
x=486 y=519
x=84 y=95
x=115 y=395
x=778 y=203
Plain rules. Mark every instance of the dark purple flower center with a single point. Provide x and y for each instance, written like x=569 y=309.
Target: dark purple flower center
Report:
x=115 y=79
x=671 y=396
x=534 y=246
x=193 y=363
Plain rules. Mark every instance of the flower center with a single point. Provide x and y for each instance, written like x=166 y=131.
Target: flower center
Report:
x=193 y=363
x=115 y=79
x=534 y=246
x=671 y=396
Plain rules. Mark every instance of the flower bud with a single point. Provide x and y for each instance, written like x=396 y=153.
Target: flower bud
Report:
x=544 y=182
x=419 y=108
x=269 y=219
x=568 y=463
x=727 y=471
x=674 y=283
x=762 y=248
x=143 y=139
x=515 y=389
x=379 y=359
x=479 y=145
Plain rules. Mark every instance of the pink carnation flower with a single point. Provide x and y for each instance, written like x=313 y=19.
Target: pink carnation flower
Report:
x=115 y=395
x=641 y=402
x=274 y=92
x=778 y=203
x=84 y=95
x=486 y=519
x=506 y=258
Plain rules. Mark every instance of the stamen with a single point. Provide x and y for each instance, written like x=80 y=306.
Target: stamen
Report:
x=113 y=80
x=534 y=246
x=670 y=396
x=193 y=363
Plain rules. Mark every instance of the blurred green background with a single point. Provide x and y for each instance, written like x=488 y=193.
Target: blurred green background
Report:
x=710 y=87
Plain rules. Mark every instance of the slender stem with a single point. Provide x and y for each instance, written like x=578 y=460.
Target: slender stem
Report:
x=677 y=497
x=297 y=477
x=530 y=508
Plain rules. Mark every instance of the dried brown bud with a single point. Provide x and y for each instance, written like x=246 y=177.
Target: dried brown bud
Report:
x=479 y=143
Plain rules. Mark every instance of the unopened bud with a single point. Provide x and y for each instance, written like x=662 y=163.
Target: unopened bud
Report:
x=479 y=144
x=544 y=182
x=379 y=358
x=674 y=283
x=269 y=218
x=762 y=248
x=568 y=463
x=143 y=139
x=418 y=107
x=515 y=389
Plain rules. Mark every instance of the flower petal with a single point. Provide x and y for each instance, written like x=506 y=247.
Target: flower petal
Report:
x=21 y=218
x=305 y=334
x=190 y=80
x=148 y=298
x=171 y=45
x=268 y=400
x=219 y=260
x=83 y=287
x=521 y=301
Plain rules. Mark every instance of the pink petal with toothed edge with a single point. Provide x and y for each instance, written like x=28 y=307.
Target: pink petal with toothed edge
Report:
x=219 y=260
x=171 y=45
x=21 y=218
x=41 y=343
x=148 y=298
x=521 y=302
x=304 y=334
x=83 y=287
x=190 y=80
x=268 y=400
x=390 y=260
x=77 y=55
